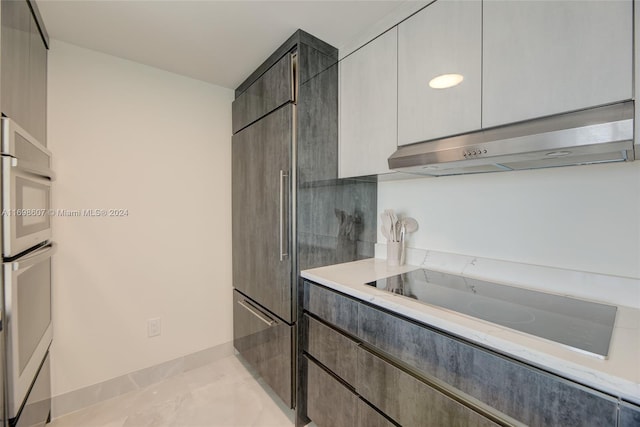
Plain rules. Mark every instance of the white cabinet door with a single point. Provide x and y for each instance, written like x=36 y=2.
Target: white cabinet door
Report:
x=548 y=57
x=368 y=107
x=443 y=38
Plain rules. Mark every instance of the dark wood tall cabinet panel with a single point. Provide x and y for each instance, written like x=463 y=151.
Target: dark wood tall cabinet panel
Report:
x=23 y=68
x=263 y=341
x=261 y=165
x=272 y=90
x=290 y=211
x=15 y=51
x=37 y=85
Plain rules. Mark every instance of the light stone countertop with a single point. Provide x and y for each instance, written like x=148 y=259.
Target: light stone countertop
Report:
x=618 y=375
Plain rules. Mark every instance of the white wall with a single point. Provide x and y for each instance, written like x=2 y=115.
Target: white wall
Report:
x=581 y=218
x=129 y=136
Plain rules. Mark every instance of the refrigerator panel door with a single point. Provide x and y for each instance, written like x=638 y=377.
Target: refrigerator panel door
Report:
x=273 y=89
x=261 y=203
x=264 y=342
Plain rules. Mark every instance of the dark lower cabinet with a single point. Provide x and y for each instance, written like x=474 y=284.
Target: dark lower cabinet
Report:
x=370 y=417
x=341 y=312
x=329 y=403
x=629 y=415
x=332 y=349
x=525 y=393
x=265 y=343
x=419 y=376
x=407 y=400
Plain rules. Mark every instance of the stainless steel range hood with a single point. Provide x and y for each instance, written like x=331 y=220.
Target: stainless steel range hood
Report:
x=597 y=135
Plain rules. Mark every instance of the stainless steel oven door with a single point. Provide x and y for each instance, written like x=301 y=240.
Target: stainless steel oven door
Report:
x=26 y=200
x=26 y=190
x=27 y=298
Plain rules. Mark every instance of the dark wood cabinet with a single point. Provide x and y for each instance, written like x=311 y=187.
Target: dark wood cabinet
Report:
x=290 y=212
x=418 y=375
x=37 y=85
x=629 y=415
x=272 y=90
x=16 y=45
x=264 y=342
x=261 y=163
x=338 y=310
x=370 y=417
x=527 y=394
x=331 y=348
x=329 y=402
x=23 y=62
x=407 y=400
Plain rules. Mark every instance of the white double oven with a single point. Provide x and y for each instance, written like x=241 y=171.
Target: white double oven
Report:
x=26 y=274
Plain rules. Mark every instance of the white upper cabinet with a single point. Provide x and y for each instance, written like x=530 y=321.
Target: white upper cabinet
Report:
x=443 y=38
x=368 y=107
x=547 y=57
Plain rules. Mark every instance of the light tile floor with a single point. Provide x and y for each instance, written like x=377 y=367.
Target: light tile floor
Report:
x=222 y=394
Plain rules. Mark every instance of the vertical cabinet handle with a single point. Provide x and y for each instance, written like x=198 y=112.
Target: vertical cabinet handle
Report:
x=283 y=232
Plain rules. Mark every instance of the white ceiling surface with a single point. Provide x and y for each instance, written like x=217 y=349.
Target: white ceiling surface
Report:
x=220 y=42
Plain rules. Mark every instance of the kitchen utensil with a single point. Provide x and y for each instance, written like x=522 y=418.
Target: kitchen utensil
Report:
x=386 y=224
x=411 y=225
x=394 y=226
x=385 y=232
x=402 y=248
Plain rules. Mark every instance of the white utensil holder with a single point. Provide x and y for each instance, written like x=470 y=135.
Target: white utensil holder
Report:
x=394 y=253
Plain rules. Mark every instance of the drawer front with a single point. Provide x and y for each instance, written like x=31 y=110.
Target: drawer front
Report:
x=331 y=348
x=267 y=347
x=407 y=400
x=629 y=415
x=336 y=309
x=526 y=394
x=369 y=417
x=272 y=90
x=329 y=403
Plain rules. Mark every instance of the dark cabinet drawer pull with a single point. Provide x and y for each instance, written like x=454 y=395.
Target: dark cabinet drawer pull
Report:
x=257 y=313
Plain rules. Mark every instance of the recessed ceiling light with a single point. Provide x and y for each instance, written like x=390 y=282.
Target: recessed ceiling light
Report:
x=445 y=81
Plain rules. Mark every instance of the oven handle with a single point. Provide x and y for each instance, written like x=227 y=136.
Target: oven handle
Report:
x=35 y=257
x=30 y=168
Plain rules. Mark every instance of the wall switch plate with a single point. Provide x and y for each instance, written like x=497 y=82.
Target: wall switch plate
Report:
x=153 y=327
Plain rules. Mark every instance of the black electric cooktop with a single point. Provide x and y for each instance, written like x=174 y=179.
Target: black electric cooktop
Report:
x=582 y=325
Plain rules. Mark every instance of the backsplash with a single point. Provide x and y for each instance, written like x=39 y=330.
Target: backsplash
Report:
x=582 y=218
x=336 y=222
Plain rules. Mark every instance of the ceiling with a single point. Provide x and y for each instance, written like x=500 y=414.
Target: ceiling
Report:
x=220 y=42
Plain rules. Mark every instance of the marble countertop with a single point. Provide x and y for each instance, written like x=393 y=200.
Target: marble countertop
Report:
x=618 y=375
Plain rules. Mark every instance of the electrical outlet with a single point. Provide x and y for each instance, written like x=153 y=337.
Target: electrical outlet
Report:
x=153 y=327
